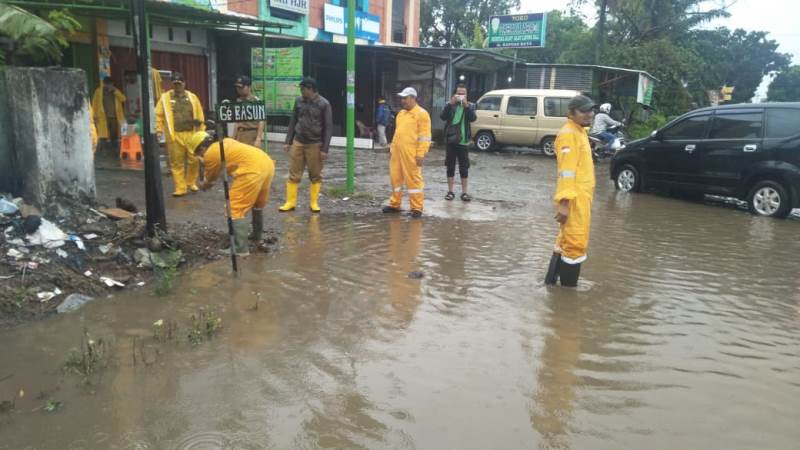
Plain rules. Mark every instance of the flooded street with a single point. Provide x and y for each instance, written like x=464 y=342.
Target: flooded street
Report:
x=682 y=334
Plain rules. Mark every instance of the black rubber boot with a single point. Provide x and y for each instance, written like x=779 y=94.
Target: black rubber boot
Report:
x=551 y=278
x=569 y=274
x=258 y=224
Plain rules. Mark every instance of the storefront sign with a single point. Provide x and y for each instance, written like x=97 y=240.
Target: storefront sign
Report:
x=295 y=6
x=276 y=75
x=518 y=30
x=228 y=112
x=644 y=93
x=367 y=26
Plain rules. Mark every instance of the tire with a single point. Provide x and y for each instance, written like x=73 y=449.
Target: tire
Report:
x=484 y=141
x=549 y=146
x=628 y=179
x=769 y=199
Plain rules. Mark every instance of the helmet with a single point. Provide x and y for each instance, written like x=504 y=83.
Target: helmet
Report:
x=605 y=107
x=197 y=139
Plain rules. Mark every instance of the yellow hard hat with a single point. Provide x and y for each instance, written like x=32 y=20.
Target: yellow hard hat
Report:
x=197 y=139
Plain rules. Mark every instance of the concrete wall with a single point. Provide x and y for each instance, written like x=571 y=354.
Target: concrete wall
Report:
x=50 y=122
x=7 y=178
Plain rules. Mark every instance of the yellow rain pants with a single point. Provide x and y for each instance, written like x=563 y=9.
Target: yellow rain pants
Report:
x=183 y=163
x=576 y=184
x=252 y=171
x=412 y=139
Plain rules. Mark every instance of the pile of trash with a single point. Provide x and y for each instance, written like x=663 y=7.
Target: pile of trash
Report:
x=58 y=260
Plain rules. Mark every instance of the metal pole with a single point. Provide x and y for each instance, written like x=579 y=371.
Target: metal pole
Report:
x=514 y=69
x=351 y=92
x=264 y=144
x=225 y=187
x=154 y=195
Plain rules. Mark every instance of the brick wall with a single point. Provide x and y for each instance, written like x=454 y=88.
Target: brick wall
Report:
x=249 y=7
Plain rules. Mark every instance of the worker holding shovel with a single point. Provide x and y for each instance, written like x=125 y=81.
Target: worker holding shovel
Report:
x=252 y=171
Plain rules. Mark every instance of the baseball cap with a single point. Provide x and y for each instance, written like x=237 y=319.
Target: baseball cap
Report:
x=581 y=102
x=408 y=91
x=308 y=82
x=177 y=76
x=243 y=80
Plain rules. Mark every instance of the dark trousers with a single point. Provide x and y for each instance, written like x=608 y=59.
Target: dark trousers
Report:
x=457 y=152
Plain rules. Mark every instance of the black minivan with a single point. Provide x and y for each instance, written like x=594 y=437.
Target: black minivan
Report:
x=747 y=151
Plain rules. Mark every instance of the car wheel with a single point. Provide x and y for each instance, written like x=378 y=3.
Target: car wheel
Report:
x=770 y=199
x=549 y=146
x=628 y=179
x=484 y=141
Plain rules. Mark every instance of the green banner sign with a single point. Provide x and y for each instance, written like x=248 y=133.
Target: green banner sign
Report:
x=276 y=76
x=517 y=31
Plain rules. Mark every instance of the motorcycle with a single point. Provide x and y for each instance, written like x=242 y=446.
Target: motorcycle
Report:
x=601 y=149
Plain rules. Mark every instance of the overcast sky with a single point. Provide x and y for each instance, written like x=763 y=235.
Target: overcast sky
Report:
x=779 y=17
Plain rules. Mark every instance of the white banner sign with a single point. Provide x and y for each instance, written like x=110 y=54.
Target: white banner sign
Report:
x=297 y=6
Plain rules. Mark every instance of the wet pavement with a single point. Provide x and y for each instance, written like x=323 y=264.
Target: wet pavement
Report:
x=682 y=334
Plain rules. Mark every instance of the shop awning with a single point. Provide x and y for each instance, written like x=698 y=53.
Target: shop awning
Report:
x=161 y=13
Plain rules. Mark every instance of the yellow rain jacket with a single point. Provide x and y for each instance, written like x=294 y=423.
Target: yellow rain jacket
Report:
x=412 y=139
x=100 y=112
x=183 y=163
x=92 y=129
x=156 y=79
x=252 y=171
x=165 y=120
x=575 y=183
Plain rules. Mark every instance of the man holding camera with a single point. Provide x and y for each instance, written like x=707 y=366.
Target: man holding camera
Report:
x=457 y=116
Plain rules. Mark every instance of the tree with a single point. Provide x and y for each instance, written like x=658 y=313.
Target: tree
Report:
x=785 y=87
x=36 y=39
x=451 y=23
x=569 y=41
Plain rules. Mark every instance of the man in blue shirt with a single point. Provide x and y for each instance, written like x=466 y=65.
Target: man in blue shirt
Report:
x=382 y=117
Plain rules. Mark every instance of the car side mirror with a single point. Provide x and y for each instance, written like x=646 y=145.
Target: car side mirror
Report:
x=655 y=135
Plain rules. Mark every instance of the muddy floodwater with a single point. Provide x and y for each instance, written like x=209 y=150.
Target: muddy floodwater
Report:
x=381 y=332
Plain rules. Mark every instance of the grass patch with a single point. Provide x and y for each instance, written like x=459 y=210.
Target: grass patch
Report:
x=165 y=268
x=88 y=360
x=204 y=325
x=341 y=193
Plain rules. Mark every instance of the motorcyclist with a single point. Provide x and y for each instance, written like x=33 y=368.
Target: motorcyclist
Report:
x=602 y=123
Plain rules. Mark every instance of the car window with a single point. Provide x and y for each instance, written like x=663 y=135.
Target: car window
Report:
x=522 y=106
x=489 y=104
x=782 y=122
x=689 y=128
x=736 y=126
x=556 y=107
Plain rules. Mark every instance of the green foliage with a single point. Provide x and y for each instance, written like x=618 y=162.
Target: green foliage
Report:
x=204 y=325
x=785 y=86
x=38 y=40
x=453 y=23
x=88 y=360
x=644 y=129
x=165 y=268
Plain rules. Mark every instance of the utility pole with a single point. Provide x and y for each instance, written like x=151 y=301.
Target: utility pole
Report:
x=154 y=195
x=351 y=93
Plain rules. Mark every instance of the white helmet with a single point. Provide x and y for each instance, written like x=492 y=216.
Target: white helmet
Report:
x=605 y=107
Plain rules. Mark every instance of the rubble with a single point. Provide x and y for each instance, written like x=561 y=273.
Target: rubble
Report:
x=111 y=252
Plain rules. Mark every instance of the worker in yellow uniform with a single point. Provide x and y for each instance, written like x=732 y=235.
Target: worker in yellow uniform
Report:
x=410 y=144
x=179 y=115
x=92 y=130
x=252 y=171
x=108 y=103
x=574 y=193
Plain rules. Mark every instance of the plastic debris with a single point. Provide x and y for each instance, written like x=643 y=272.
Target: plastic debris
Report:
x=62 y=253
x=140 y=284
x=88 y=273
x=8 y=208
x=111 y=282
x=17 y=242
x=90 y=236
x=73 y=302
x=48 y=235
x=78 y=242
x=47 y=296
x=105 y=248
x=14 y=253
